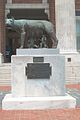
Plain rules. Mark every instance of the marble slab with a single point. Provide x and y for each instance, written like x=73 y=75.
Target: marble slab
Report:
x=42 y=51
x=34 y=103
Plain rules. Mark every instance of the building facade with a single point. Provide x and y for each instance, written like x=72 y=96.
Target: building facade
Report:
x=65 y=15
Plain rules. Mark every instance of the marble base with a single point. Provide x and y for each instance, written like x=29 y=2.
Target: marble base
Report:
x=33 y=103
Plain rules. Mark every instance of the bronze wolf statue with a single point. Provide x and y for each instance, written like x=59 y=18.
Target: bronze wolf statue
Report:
x=34 y=33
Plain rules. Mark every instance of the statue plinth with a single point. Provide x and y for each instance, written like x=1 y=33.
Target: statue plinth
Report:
x=38 y=81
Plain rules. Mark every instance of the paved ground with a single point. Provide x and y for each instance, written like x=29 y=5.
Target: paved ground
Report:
x=76 y=94
x=70 y=114
x=60 y=114
x=2 y=94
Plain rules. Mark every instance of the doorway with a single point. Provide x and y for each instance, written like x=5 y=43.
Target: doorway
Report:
x=12 y=43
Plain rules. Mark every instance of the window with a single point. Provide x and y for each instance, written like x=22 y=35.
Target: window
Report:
x=78 y=29
x=78 y=33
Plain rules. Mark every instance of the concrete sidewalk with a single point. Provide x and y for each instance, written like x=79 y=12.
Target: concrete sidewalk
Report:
x=60 y=114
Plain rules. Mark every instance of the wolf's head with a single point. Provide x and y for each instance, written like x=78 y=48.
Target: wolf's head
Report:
x=9 y=22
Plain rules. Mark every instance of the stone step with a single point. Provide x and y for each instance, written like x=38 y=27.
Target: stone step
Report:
x=5 y=74
x=72 y=80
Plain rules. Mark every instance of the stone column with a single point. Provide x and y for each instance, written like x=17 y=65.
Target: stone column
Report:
x=44 y=1
x=2 y=29
x=65 y=25
x=9 y=1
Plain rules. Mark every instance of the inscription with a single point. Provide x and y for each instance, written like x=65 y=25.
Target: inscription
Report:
x=38 y=59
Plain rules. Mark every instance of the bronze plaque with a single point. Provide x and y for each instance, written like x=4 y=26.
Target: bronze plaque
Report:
x=38 y=71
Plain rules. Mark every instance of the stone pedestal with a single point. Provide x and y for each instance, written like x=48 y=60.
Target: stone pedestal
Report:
x=38 y=81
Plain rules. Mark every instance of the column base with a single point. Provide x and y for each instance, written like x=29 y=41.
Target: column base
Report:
x=1 y=58
x=68 y=51
x=72 y=66
x=33 y=103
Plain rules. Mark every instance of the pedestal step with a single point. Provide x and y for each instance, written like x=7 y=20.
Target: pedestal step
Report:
x=29 y=103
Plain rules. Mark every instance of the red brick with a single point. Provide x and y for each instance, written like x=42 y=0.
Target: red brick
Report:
x=60 y=114
x=26 y=1
x=5 y=88
x=76 y=86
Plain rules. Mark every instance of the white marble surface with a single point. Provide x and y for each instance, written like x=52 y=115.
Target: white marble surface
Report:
x=29 y=103
x=21 y=86
x=40 y=51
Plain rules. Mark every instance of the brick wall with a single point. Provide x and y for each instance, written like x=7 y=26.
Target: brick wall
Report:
x=77 y=2
x=2 y=26
x=52 y=10
x=5 y=1
x=26 y=1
